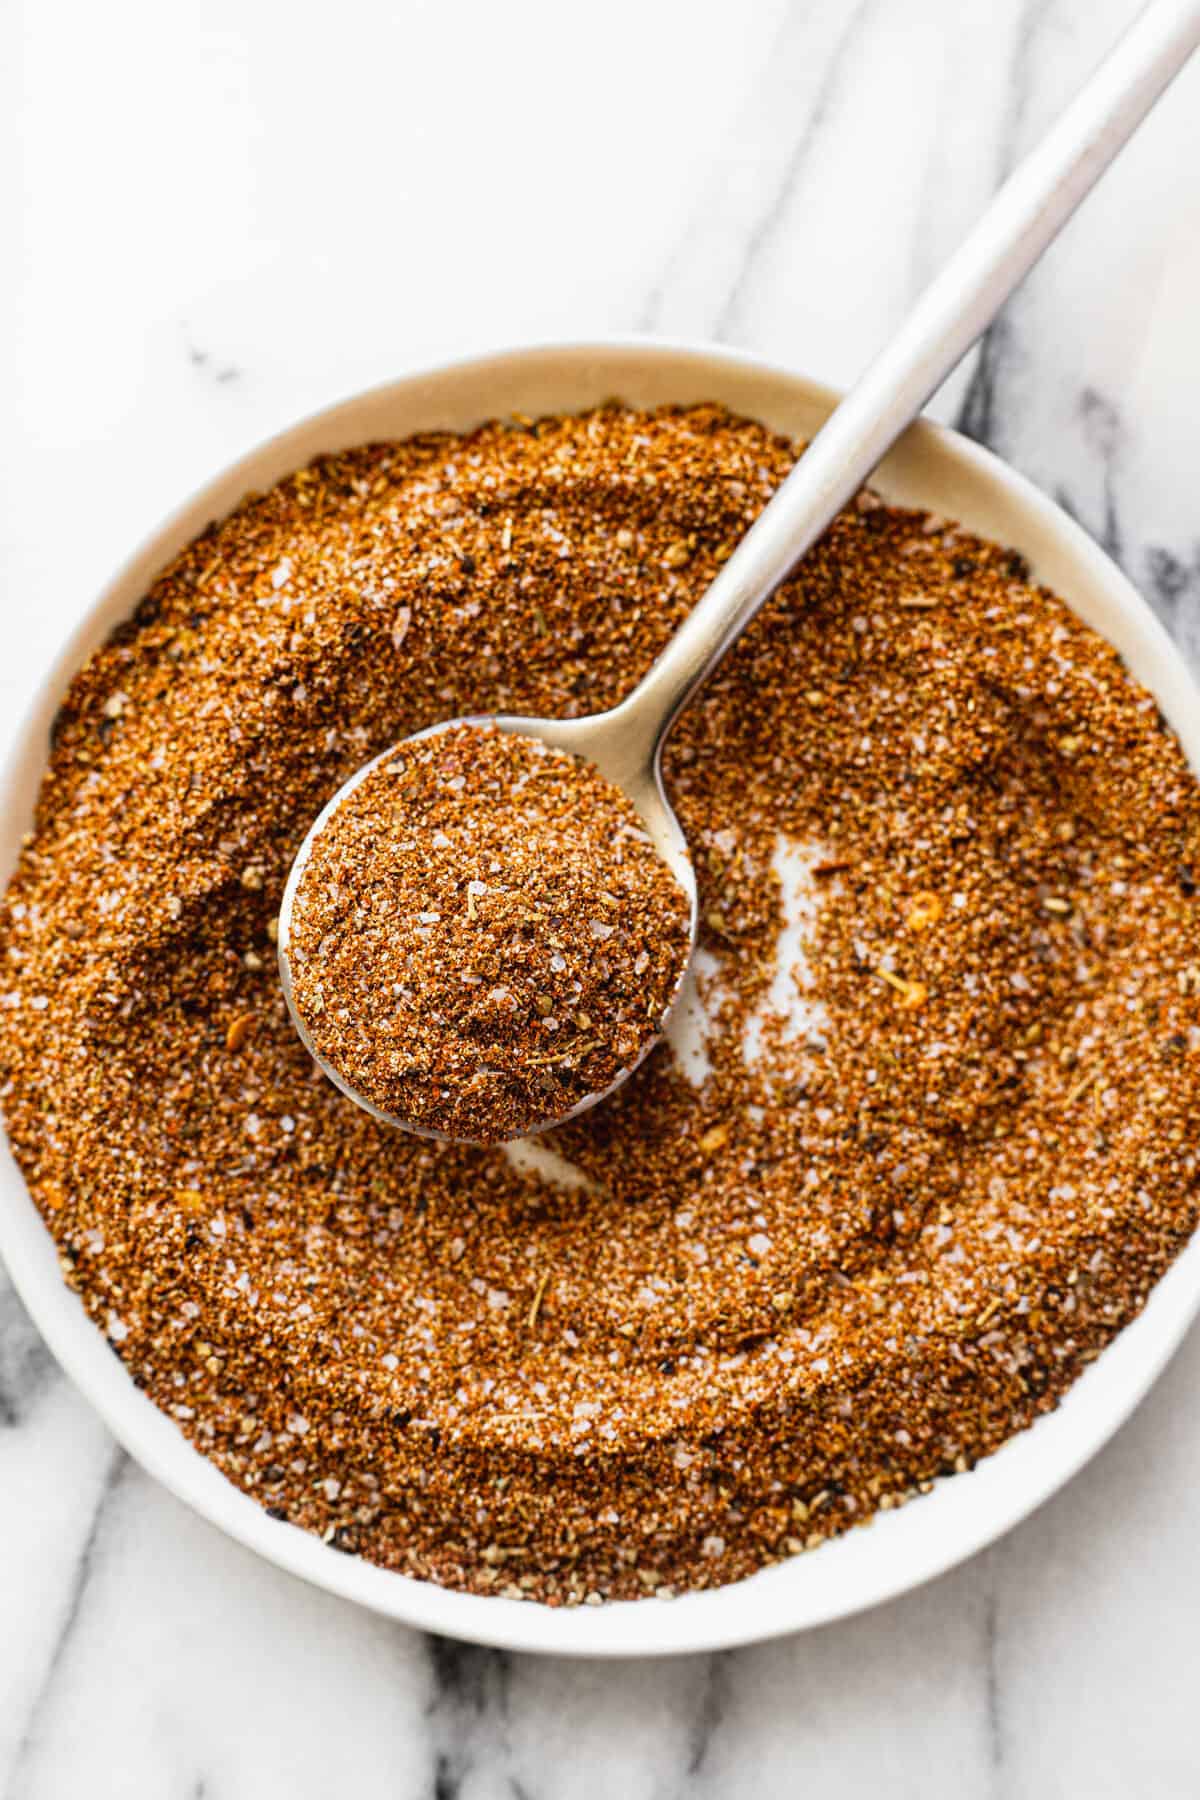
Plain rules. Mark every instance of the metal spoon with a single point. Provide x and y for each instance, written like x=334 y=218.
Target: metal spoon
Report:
x=1031 y=208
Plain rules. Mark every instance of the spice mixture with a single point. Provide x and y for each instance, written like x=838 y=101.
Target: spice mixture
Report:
x=930 y=1143
x=483 y=937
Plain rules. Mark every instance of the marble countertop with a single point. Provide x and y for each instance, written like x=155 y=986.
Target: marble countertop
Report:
x=220 y=216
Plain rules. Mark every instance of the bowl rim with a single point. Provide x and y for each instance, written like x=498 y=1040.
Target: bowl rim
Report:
x=961 y=1516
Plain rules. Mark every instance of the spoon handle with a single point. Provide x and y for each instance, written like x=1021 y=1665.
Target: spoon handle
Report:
x=1027 y=213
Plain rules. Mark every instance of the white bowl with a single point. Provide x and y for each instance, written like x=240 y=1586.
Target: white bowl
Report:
x=930 y=467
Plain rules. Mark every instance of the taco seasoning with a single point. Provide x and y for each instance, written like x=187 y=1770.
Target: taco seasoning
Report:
x=918 y=1147
x=483 y=937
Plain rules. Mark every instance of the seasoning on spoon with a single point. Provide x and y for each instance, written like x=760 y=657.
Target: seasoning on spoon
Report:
x=483 y=938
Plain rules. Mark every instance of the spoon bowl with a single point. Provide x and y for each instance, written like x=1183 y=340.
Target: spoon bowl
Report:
x=611 y=743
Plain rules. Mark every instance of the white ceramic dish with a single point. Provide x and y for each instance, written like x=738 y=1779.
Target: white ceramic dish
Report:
x=931 y=467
